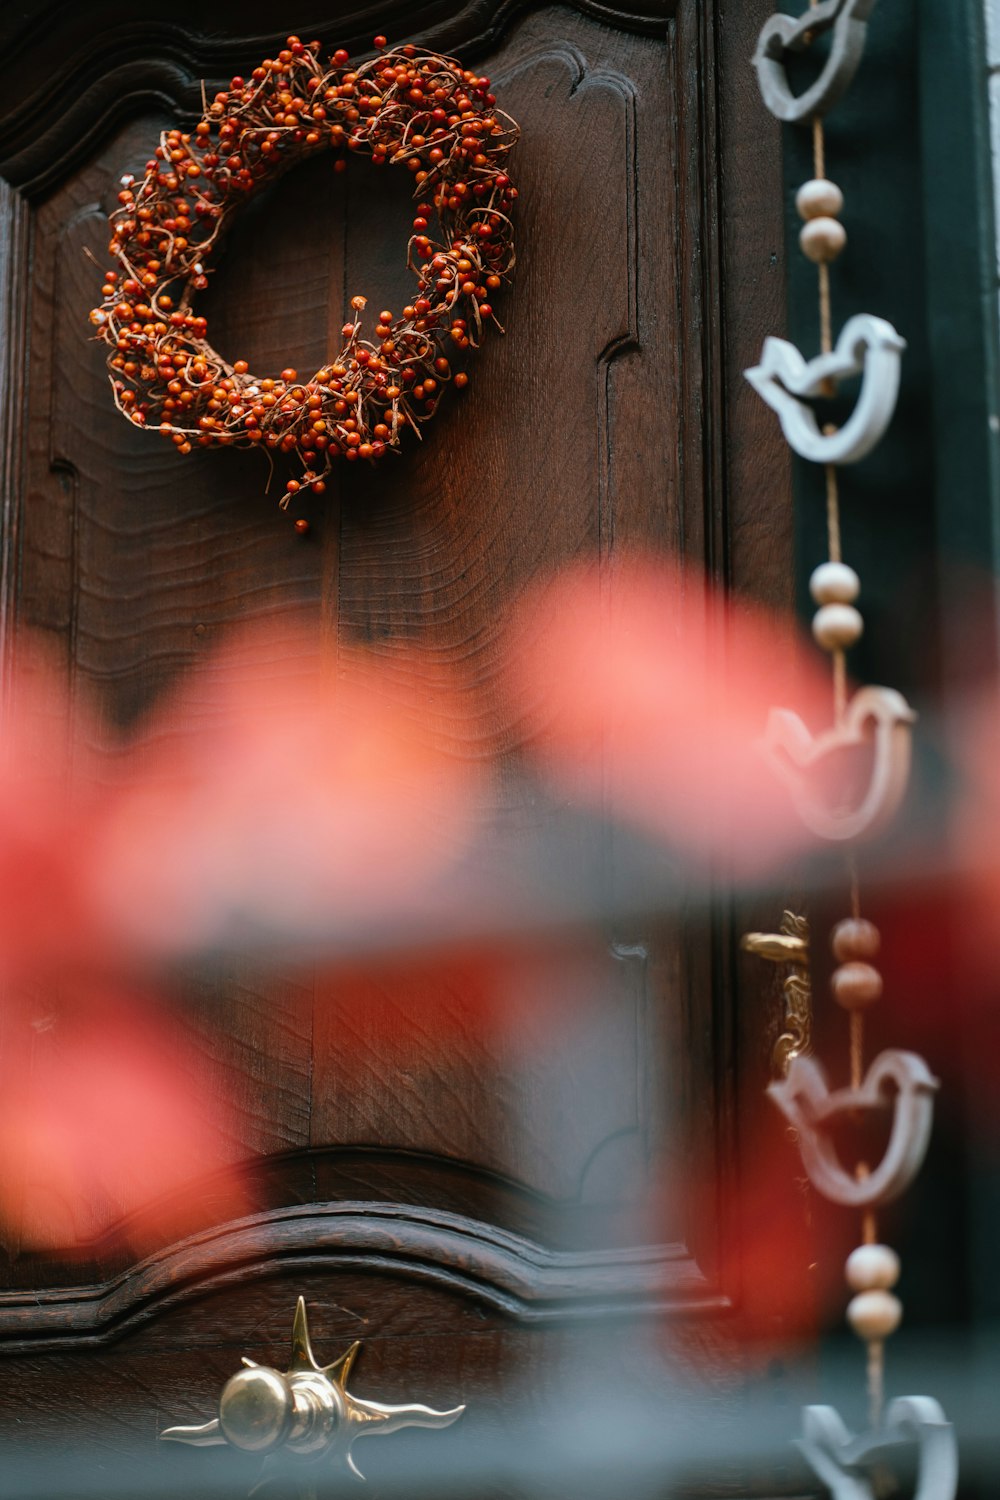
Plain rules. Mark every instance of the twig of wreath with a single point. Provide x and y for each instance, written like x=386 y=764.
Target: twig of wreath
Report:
x=404 y=106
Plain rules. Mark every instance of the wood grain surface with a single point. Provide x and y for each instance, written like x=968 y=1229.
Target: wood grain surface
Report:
x=611 y=415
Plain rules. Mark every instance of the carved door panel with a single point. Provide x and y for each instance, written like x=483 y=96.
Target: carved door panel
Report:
x=431 y=1183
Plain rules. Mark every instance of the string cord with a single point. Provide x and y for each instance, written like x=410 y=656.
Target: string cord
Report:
x=869 y=1230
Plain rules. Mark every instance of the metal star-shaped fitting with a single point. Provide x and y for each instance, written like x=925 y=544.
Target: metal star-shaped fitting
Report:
x=306 y=1409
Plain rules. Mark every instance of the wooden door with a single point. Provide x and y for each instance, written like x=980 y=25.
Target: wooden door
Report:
x=448 y=1196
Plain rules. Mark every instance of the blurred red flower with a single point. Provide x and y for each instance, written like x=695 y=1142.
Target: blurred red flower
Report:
x=645 y=692
x=282 y=790
x=277 y=790
x=106 y=1114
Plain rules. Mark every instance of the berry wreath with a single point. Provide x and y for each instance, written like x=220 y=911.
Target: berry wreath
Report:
x=403 y=106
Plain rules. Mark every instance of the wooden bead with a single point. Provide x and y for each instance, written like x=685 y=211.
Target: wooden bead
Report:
x=822 y=240
x=856 y=986
x=819 y=199
x=872 y=1268
x=834 y=583
x=855 y=937
x=874 y=1315
x=837 y=626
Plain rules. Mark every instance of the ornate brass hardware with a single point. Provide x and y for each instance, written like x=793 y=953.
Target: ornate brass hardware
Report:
x=789 y=946
x=306 y=1409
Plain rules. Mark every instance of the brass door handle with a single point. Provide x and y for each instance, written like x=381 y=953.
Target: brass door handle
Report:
x=789 y=946
x=305 y=1409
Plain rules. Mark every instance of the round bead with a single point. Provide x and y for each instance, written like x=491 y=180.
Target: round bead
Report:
x=855 y=937
x=302 y=526
x=819 y=199
x=834 y=583
x=256 y=1409
x=822 y=240
x=856 y=986
x=872 y=1268
x=836 y=626
x=874 y=1315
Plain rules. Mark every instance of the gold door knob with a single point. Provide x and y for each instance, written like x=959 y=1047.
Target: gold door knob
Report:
x=256 y=1410
x=306 y=1409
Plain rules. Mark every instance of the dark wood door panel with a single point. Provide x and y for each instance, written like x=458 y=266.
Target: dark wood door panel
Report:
x=130 y=557
x=444 y=545
x=102 y=67
x=542 y=1067
x=544 y=1094
x=500 y=1273
x=135 y=559
x=420 y=1342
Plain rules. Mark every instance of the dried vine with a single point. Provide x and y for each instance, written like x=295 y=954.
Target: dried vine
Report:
x=405 y=106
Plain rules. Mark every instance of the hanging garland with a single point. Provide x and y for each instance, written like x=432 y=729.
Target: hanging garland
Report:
x=853 y=1466
x=406 y=107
